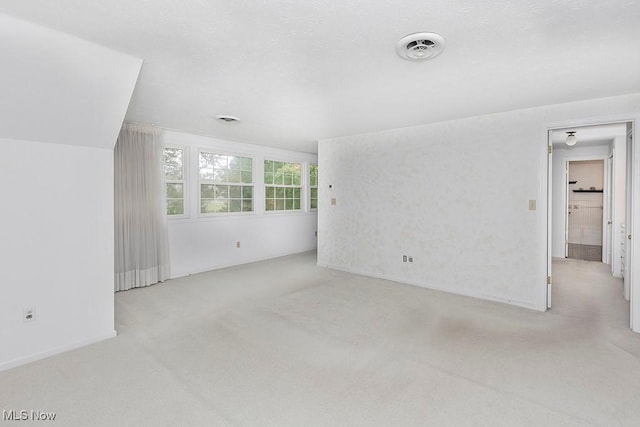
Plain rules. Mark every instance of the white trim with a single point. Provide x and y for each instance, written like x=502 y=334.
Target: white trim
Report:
x=197 y=143
x=595 y=121
x=309 y=186
x=608 y=254
x=286 y=211
x=184 y=181
x=544 y=223
x=301 y=187
x=56 y=350
x=479 y=295
x=634 y=256
x=247 y=261
x=217 y=152
x=549 y=202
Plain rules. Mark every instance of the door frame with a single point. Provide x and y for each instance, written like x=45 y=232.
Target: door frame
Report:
x=631 y=223
x=628 y=178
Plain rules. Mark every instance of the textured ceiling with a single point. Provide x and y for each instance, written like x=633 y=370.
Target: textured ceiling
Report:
x=297 y=71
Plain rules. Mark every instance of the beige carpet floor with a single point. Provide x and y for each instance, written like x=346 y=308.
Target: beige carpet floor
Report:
x=286 y=343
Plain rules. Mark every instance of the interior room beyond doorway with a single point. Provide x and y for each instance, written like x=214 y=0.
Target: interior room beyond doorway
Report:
x=588 y=211
x=585 y=209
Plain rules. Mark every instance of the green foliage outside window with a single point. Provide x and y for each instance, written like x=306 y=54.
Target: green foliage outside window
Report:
x=226 y=183
x=313 y=186
x=174 y=180
x=283 y=185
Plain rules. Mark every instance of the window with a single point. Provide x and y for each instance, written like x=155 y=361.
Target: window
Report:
x=313 y=186
x=226 y=183
x=282 y=186
x=174 y=180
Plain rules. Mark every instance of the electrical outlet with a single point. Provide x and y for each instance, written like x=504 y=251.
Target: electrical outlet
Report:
x=333 y=200
x=28 y=314
x=404 y=258
x=237 y=244
x=410 y=258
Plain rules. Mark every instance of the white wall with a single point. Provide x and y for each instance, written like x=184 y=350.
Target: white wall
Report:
x=560 y=157
x=201 y=243
x=452 y=194
x=587 y=174
x=62 y=104
x=56 y=230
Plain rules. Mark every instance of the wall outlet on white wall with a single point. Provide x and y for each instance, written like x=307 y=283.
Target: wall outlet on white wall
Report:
x=28 y=314
x=238 y=244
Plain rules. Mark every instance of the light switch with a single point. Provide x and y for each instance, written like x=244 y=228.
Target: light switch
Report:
x=333 y=200
x=532 y=205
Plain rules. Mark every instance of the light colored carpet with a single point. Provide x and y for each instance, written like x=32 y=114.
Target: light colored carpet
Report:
x=286 y=343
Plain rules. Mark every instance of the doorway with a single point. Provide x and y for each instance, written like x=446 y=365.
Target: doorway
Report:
x=585 y=204
x=604 y=209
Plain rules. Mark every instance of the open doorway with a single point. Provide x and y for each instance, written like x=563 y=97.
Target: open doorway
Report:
x=589 y=203
x=585 y=209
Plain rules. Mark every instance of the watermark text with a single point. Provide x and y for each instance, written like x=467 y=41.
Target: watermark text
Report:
x=27 y=415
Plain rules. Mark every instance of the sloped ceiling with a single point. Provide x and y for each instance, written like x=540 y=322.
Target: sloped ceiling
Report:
x=61 y=89
x=297 y=71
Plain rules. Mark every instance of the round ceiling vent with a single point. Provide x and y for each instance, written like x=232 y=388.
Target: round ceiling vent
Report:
x=227 y=119
x=420 y=46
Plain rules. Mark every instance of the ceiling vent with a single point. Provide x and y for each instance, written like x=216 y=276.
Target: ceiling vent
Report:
x=420 y=46
x=227 y=119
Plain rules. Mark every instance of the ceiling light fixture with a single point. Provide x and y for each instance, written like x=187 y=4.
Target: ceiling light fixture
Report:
x=571 y=139
x=420 y=46
x=227 y=119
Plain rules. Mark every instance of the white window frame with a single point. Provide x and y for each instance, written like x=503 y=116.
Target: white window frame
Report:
x=218 y=152
x=311 y=209
x=301 y=187
x=183 y=181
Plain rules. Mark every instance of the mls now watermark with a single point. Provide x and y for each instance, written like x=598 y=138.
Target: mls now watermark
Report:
x=27 y=415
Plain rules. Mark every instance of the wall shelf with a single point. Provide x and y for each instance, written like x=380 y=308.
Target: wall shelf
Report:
x=587 y=191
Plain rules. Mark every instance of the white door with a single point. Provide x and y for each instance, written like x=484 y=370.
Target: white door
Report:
x=549 y=216
x=607 y=253
x=567 y=211
x=627 y=230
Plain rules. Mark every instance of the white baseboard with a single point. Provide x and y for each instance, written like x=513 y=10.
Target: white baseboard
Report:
x=245 y=261
x=56 y=350
x=433 y=287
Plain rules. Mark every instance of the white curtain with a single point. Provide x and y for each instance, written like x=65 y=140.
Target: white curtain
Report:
x=141 y=241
